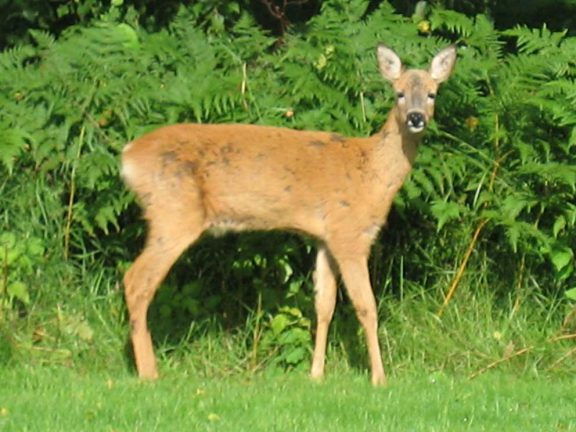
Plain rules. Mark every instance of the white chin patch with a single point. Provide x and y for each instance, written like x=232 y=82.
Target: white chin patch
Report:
x=416 y=129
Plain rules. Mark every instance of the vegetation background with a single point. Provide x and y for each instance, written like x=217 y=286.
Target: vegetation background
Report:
x=474 y=271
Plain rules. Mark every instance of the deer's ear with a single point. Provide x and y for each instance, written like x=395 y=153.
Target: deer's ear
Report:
x=443 y=63
x=389 y=63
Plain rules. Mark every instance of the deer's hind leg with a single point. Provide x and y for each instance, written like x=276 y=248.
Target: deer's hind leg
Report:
x=169 y=234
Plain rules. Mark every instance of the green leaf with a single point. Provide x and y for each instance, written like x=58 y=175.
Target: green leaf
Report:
x=35 y=247
x=279 y=324
x=12 y=142
x=7 y=240
x=129 y=36
x=444 y=211
x=293 y=311
x=559 y=225
x=562 y=259
x=295 y=356
x=571 y=293
x=106 y=216
x=19 y=291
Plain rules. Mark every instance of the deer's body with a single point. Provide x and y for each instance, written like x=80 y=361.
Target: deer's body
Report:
x=194 y=178
x=253 y=177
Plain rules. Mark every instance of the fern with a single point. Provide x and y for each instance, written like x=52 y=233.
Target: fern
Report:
x=499 y=155
x=12 y=143
x=536 y=41
x=453 y=22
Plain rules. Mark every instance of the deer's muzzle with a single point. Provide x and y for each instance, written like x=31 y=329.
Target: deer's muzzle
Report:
x=416 y=121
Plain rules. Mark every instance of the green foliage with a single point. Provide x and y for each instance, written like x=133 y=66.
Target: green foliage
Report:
x=286 y=338
x=499 y=160
x=19 y=258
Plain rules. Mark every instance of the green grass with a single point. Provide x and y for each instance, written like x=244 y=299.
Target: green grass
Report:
x=60 y=399
x=63 y=367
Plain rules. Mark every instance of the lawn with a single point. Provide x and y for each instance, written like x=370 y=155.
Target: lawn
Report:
x=59 y=399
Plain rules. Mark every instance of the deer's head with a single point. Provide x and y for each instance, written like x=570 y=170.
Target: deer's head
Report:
x=415 y=88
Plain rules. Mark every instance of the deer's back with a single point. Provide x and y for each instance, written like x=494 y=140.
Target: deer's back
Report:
x=254 y=176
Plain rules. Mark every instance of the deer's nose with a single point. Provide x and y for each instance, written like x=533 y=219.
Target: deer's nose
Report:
x=416 y=121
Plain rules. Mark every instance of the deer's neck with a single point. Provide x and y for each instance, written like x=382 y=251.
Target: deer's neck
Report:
x=395 y=137
x=393 y=150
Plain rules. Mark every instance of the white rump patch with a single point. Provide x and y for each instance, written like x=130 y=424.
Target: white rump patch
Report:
x=127 y=169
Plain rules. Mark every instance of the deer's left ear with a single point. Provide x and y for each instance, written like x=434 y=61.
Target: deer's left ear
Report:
x=443 y=63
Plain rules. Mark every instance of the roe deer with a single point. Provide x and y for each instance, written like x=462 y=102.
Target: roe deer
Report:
x=191 y=178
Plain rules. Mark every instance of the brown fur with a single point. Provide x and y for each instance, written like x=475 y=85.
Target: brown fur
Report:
x=193 y=178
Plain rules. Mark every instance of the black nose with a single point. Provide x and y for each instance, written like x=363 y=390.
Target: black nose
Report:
x=415 y=120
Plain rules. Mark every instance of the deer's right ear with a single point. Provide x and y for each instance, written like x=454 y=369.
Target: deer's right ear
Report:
x=389 y=63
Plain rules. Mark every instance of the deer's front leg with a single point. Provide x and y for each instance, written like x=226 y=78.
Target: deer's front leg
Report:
x=354 y=271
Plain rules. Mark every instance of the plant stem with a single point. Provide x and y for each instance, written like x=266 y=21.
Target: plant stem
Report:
x=4 y=272
x=456 y=280
x=561 y=359
x=69 y=212
x=499 y=361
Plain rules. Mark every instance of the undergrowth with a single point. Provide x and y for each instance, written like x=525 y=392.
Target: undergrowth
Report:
x=475 y=266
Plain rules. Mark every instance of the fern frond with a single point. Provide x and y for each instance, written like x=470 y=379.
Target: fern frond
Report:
x=452 y=21
x=533 y=41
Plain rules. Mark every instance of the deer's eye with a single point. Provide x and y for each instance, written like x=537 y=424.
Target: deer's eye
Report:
x=431 y=96
x=400 y=95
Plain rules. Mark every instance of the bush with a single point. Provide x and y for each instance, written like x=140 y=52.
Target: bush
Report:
x=491 y=200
